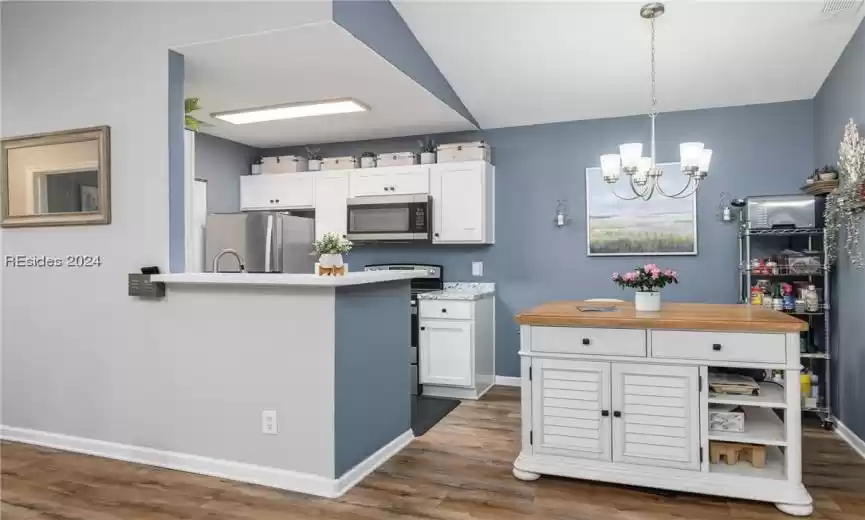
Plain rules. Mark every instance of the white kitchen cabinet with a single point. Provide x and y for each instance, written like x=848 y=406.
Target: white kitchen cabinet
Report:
x=620 y=412
x=277 y=191
x=656 y=415
x=463 y=197
x=572 y=409
x=446 y=352
x=626 y=401
x=457 y=347
x=389 y=180
x=331 y=192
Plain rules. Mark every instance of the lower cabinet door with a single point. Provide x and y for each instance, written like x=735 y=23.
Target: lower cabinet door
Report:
x=570 y=408
x=656 y=415
x=446 y=353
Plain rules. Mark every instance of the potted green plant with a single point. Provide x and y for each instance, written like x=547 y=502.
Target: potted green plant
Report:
x=330 y=248
x=367 y=160
x=189 y=106
x=314 y=157
x=256 y=166
x=648 y=280
x=427 y=151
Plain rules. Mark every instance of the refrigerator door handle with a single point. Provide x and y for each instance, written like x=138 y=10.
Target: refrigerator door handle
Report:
x=268 y=244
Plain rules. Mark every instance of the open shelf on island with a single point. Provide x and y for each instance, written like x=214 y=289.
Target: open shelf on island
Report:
x=774 y=467
x=771 y=396
x=762 y=426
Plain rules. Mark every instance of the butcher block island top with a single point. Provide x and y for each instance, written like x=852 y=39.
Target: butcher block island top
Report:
x=679 y=316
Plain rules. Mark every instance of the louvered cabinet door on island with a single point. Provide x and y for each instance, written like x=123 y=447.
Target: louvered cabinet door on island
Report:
x=614 y=395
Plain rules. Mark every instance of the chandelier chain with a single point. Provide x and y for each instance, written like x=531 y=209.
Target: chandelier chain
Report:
x=654 y=97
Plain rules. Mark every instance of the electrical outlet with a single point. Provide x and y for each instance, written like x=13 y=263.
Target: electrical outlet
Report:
x=477 y=268
x=268 y=422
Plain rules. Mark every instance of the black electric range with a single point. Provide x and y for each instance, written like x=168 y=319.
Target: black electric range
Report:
x=431 y=282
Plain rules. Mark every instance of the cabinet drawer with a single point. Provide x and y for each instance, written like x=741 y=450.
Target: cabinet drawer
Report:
x=719 y=346
x=446 y=309
x=574 y=340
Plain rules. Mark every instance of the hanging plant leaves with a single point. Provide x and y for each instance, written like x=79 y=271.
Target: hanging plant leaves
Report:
x=190 y=105
x=844 y=209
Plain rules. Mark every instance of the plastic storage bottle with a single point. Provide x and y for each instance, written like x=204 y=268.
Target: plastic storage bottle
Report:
x=805 y=386
x=812 y=300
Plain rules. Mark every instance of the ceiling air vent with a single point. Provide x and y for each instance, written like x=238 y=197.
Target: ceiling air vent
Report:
x=836 y=7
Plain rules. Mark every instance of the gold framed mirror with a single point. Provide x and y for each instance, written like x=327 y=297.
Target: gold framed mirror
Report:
x=56 y=179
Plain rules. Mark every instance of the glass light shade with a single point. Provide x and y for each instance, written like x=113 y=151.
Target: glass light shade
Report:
x=631 y=153
x=705 y=159
x=611 y=165
x=690 y=154
x=645 y=165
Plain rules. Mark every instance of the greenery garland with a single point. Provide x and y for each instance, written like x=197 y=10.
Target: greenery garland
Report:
x=845 y=205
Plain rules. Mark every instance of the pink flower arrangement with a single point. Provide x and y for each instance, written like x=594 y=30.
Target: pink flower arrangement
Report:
x=646 y=278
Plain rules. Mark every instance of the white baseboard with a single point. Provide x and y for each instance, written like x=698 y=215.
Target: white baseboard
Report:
x=240 y=471
x=850 y=438
x=353 y=476
x=507 y=381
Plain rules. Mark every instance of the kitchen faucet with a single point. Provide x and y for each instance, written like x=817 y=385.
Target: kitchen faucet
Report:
x=239 y=258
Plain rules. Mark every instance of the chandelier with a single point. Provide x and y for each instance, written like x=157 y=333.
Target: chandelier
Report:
x=644 y=175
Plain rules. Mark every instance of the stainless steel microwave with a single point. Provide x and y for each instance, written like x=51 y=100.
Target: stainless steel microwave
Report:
x=390 y=218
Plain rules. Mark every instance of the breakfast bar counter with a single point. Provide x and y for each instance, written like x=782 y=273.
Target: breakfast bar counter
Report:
x=616 y=395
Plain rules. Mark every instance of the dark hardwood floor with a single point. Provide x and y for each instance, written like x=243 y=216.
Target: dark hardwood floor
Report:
x=460 y=470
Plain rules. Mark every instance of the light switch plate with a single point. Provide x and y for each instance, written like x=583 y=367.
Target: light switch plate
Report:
x=477 y=268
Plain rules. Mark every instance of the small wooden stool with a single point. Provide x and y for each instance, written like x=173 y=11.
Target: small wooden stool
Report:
x=733 y=452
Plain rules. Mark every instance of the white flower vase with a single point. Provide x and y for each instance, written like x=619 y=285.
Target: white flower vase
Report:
x=314 y=165
x=330 y=260
x=647 y=301
x=367 y=162
x=428 y=158
x=256 y=169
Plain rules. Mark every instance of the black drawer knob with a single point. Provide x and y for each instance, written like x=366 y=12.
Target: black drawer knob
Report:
x=605 y=413
x=716 y=346
x=587 y=341
x=617 y=414
x=436 y=234
x=423 y=328
x=444 y=310
x=271 y=201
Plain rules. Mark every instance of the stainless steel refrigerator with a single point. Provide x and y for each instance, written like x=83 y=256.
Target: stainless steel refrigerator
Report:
x=267 y=242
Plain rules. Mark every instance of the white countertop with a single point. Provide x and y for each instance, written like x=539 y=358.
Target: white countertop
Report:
x=275 y=279
x=460 y=291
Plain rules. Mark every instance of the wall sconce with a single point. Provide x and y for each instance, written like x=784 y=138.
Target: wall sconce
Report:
x=726 y=204
x=562 y=218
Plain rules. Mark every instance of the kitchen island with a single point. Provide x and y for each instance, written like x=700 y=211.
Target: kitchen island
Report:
x=292 y=381
x=623 y=396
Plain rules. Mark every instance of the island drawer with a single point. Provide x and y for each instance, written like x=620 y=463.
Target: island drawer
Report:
x=602 y=342
x=719 y=346
x=446 y=309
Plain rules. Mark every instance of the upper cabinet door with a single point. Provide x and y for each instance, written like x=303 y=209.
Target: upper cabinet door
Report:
x=460 y=203
x=659 y=415
x=570 y=399
x=277 y=191
x=331 y=192
x=255 y=192
x=369 y=182
x=410 y=181
x=389 y=180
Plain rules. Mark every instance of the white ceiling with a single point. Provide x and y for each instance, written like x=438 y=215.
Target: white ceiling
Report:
x=308 y=63
x=521 y=63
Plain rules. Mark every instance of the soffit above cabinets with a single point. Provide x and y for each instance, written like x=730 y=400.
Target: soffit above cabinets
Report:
x=521 y=63
x=308 y=63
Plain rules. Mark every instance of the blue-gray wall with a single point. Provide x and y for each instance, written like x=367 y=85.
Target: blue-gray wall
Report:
x=221 y=163
x=372 y=398
x=842 y=97
x=759 y=149
x=381 y=28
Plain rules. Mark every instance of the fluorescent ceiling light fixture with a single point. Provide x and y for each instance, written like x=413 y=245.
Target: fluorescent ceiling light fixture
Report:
x=292 y=111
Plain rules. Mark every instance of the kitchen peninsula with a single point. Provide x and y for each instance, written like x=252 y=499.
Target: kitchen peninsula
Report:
x=622 y=396
x=292 y=381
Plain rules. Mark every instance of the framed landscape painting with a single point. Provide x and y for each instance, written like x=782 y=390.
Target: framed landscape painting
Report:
x=659 y=226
